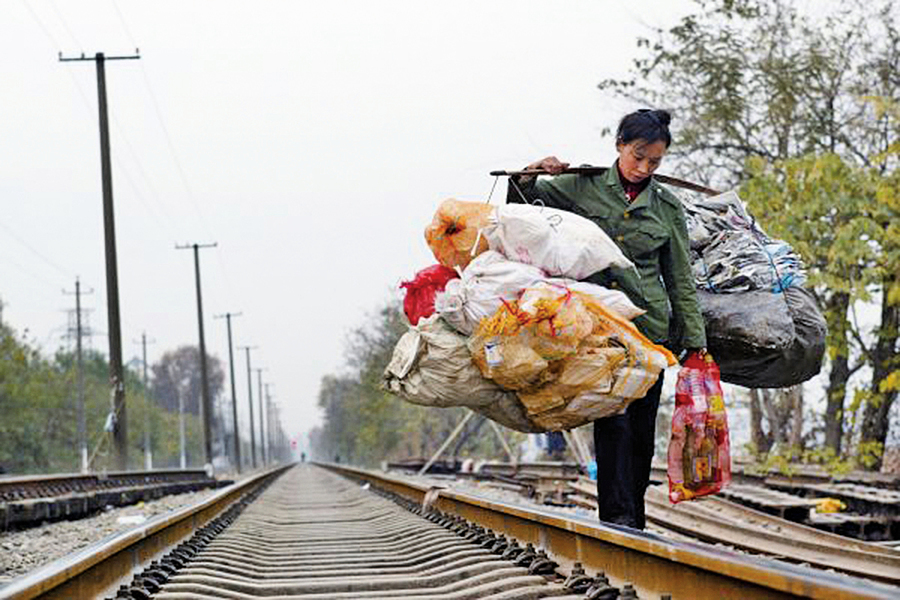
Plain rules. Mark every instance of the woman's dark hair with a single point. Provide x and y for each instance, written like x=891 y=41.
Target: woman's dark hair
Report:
x=645 y=124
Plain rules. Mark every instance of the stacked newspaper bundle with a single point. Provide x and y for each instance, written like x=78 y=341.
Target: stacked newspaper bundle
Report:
x=762 y=326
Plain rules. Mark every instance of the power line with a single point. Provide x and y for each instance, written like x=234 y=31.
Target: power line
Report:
x=56 y=45
x=34 y=251
x=124 y=24
x=65 y=24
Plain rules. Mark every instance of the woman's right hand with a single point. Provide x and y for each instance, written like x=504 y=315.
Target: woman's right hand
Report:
x=551 y=165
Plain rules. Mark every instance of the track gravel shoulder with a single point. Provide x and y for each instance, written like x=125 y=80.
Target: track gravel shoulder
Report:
x=26 y=550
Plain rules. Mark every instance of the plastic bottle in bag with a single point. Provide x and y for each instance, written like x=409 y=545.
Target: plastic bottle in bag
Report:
x=699 y=458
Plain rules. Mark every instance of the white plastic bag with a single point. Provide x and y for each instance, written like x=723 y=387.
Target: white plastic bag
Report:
x=561 y=243
x=491 y=279
x=488 y=280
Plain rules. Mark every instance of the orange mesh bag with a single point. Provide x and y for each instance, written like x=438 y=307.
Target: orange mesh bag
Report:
x=590 y=369
x=454 y=234
x=501 y=349
x=556 y=318
x=637 y=374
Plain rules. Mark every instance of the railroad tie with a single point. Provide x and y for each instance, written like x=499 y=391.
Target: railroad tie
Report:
x=313 y=534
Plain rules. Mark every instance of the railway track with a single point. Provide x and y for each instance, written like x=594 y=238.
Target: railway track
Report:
x=721 y=521
x=31 y=500
x=872 y=500
x=349 y=533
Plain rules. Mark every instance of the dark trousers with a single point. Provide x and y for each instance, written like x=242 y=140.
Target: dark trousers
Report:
x=624 y=446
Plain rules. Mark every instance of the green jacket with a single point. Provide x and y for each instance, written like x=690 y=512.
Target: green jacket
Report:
x=651 y=231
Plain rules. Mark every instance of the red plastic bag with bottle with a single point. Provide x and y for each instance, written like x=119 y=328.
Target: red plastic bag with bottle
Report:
x=699 y=453
x=420 y=292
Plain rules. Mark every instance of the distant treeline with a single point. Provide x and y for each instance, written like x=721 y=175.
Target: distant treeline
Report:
x=39 y=414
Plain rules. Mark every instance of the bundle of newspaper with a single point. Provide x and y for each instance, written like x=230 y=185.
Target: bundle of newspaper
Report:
x=762 y=325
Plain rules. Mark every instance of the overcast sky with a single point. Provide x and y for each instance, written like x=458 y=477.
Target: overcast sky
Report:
x=312 y=141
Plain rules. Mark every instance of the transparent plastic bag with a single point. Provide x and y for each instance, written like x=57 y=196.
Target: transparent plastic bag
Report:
x=699 y=461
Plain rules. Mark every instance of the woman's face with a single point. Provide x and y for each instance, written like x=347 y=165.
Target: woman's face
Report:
x=638 y=159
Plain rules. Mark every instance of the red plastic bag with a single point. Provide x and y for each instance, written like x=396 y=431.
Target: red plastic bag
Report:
x=420 y=292
x=699 y=453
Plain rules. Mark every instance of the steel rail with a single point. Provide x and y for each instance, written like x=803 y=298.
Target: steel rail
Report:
x=655 y=564
x=720 y=521
x=42 y=486
x=32 y=500
x=100 y=568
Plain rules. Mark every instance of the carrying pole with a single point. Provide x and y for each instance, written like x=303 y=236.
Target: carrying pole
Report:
x=674 y=181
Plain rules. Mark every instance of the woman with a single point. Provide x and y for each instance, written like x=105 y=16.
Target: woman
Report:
x=647 y=222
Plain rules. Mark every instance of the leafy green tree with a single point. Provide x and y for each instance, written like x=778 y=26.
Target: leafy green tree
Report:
x=756 y=78
x=38 y=413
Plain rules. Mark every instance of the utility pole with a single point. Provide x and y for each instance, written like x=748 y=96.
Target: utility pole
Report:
x=273 y=425
x=250 y=403
x=234 y=414
x=116 y=373
x=263 y=446
x=82 y=429
x=205 y=405
x=148 y=450
x=269 y=440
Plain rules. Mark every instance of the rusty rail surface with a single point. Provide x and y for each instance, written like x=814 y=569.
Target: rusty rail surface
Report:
x=657 y=565
x=720 y=521
x=100 y=568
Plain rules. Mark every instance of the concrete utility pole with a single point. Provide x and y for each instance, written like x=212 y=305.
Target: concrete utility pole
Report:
x=148 y=450
x=234 y=414
x=250 y=403
x=205 y=404
x=273 y=454
x=82 y=429
x=263 y=446
x=116 y=373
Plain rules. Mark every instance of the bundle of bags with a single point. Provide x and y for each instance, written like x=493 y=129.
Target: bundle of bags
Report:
x=762 y=325
x=515 y=336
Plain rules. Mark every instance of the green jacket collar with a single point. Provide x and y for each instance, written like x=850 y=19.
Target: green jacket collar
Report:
x=653 y=190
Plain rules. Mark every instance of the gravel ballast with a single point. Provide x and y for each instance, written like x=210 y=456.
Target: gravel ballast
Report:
x=26 y=550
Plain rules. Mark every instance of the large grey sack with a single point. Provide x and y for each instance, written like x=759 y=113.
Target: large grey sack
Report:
x=762 y=339
x=432 y=366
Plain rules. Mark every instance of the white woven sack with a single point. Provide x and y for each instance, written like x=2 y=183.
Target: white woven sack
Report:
x=561 y=243
x=488 y=280
x=491 y=278
x=431 y=366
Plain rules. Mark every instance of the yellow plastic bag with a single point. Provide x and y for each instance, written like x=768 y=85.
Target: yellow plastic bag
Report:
x=590 y=369
x=501 y=349
x=556 y=318
x=454 y=233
